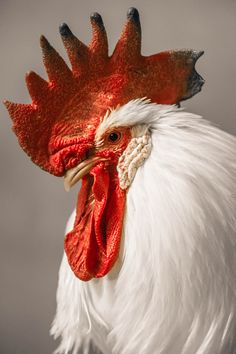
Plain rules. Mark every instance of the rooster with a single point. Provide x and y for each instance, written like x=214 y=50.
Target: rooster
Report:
x=150 y=251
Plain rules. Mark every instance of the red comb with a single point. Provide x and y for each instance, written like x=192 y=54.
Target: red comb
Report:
x=67 y=109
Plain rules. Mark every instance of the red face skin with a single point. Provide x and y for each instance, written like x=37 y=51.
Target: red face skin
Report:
x=92 y=247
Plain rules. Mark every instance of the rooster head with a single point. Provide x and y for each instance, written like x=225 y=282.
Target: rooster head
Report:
x=74 y=128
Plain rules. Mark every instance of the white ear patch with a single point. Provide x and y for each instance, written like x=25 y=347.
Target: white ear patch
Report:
x=137 y=151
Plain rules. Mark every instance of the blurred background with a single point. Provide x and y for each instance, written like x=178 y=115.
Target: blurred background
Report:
x=34 y=205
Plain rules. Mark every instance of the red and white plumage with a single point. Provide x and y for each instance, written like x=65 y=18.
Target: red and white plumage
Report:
x=150 y=251
x=173 y=289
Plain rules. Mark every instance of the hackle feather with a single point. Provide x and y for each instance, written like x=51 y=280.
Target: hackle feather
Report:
x=173 y=289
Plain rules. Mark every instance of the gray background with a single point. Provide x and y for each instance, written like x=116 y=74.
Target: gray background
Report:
x=34 y=206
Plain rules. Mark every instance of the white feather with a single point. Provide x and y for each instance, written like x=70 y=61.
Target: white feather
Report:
x=175 y=289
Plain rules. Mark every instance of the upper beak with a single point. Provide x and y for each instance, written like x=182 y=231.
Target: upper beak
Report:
x=73 y=175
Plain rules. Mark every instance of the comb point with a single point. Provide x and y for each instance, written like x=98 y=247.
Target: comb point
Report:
x=44 y=43
x=30 y=74
x=97 y=18
x=197 y=54
x=65 y=30
x=133 y=14
x=37 y=87
x=6 y=103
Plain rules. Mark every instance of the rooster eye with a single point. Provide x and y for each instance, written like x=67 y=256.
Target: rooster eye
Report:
x=114 y=137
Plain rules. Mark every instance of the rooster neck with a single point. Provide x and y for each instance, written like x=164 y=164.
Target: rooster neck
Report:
x=174 y=290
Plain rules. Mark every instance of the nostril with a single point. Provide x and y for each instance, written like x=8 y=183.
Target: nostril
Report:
x=89 y=153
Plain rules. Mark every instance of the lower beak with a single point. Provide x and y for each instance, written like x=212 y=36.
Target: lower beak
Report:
x=73 y=175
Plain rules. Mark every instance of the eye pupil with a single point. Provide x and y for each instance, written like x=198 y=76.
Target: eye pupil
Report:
x=114 y=136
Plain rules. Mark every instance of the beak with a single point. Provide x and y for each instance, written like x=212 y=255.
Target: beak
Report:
x=73 y=175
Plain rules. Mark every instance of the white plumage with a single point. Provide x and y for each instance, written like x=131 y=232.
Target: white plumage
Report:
x=173 y=290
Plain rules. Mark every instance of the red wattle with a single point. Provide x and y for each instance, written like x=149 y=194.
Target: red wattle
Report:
x=92 y=247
